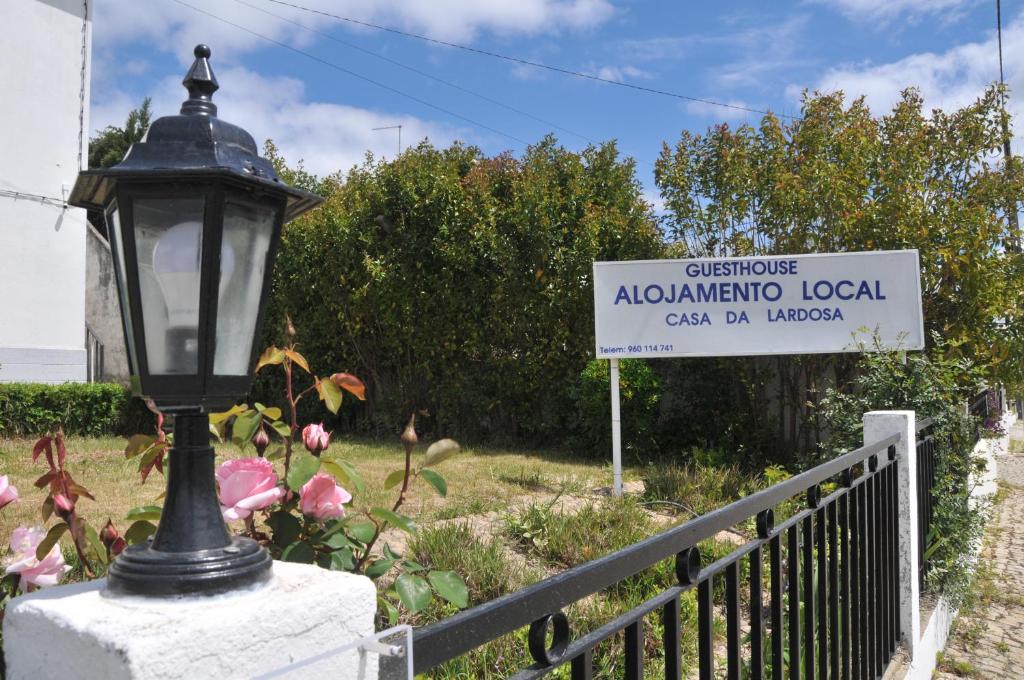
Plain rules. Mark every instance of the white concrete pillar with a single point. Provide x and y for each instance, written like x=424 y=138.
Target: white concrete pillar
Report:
x=80 y=631
x=879 y=425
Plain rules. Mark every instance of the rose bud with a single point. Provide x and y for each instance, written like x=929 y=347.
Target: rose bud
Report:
x=261 y=441
x=315 y=438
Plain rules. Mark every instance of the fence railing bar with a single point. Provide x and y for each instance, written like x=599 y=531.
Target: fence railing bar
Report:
x=634 y=650
x=732 y=621
x=672 y=639
x=705 y=630
x=778 y=633
x=807 y=565
x=924 y=424
x=756 y=615
x=793 y=597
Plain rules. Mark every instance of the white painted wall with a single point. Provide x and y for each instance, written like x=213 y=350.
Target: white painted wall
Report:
x=44 y=127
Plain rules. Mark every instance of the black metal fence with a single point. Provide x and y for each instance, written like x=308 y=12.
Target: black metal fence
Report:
x=824 y=592
x=926 y=470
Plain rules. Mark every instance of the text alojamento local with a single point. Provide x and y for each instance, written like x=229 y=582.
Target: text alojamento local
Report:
x=824 y=295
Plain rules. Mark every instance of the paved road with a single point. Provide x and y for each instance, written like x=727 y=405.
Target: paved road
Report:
x=988 y=637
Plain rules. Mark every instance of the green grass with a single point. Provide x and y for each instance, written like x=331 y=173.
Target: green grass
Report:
x=479 y=479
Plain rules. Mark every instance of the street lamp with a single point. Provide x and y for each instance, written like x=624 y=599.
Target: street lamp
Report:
x=194 y=217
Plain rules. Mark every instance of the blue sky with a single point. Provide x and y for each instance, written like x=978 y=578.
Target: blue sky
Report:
x=753 y=54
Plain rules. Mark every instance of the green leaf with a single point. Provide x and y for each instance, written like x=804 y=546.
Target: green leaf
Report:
x=330 y=394
x=282 y=428
x=286 y=527
x=52 y=536
x=435 y=480
x=409 y=565
x=379 y=568
x=245 y=427
x=345 y=473
x=450 y=586
x=137 y=444
x=401 y=521
x=413 y=591
x=138 y=532
x=298 y=359
x=237 y=409
x=440 y=451
x=275 y=453
x=299 y=551
x=304 y=466
x=390 y=610
x=362 y=532
x=96 y=544
x=338 y=540
x=394 y=478
x=268 y=412
x=343 y=560
x=151 y=512
x=271 y=356
x=47 y=509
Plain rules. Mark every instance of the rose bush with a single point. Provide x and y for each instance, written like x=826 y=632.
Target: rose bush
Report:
x=292 y=499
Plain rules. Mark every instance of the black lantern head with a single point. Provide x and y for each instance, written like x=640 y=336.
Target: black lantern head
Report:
x=194 y=216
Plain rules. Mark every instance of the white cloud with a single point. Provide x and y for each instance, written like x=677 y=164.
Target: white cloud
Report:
x=887 y=10
x=947 y=80
x=620 y=74
x=169 y=26
x=327 y=137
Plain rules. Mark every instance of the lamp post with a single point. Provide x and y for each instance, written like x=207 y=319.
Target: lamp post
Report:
x=194 y=216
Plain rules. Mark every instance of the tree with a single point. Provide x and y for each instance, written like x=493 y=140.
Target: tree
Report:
x=840 y=179
x=110 y=145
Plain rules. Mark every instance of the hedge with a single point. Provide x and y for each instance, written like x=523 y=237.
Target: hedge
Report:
x=458 y=285
x=29 y=409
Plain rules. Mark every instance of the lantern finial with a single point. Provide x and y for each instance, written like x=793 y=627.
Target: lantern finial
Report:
x=201 y=84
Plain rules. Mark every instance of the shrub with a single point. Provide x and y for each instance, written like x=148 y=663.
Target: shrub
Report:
x=934 y=387
x=639 y=396
x=95 y=409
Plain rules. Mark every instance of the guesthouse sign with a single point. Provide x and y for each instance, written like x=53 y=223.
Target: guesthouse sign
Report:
x=788 y=304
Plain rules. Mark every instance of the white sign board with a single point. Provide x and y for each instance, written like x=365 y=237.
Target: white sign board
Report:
x=790 y=304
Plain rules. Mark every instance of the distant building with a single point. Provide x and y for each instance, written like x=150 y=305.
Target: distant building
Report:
x=44 y=132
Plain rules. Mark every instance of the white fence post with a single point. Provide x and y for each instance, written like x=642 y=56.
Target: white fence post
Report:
x=879 y=425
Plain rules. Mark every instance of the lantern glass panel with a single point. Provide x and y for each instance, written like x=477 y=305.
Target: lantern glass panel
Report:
x=248 y=229
x=168 y=245
x=117 y=250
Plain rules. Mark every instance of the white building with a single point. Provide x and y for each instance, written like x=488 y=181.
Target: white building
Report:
x=44 y=132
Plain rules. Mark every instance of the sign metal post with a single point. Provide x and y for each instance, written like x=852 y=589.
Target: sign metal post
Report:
x=616 y=428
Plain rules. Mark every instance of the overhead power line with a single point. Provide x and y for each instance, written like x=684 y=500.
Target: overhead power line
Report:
x=526 y=62
x=352 y=73
x=417 y=71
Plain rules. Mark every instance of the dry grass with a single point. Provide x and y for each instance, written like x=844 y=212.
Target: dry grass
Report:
x=479 y=479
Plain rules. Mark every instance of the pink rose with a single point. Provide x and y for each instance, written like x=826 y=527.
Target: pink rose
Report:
x=316 y=438
x=47 y=572
x=322 y=498
x=8 y=494
x=247 y=484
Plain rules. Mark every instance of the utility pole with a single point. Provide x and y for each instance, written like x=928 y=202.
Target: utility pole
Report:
x=399 y=128
x=1014 y=244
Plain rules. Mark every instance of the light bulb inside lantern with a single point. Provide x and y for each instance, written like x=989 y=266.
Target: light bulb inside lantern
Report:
x=177 y=264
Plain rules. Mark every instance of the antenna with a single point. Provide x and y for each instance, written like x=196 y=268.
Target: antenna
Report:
x=393 y=127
